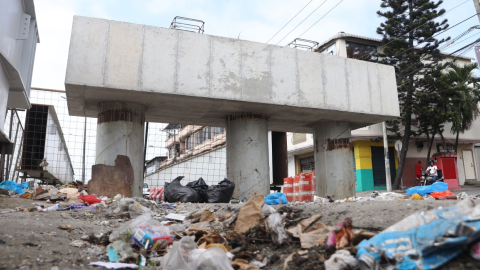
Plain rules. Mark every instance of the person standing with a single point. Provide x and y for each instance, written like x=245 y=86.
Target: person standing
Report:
x=432 y=171
x=418 y=170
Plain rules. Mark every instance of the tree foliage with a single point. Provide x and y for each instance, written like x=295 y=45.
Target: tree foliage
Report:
x=409 y=45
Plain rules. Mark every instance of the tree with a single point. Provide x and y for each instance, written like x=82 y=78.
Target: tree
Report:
x=409 y=45
x=464 y=94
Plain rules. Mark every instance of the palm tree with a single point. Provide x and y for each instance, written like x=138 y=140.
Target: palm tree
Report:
x=464 y=95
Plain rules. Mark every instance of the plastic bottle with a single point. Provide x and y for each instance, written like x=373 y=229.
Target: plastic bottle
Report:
x=55 y=207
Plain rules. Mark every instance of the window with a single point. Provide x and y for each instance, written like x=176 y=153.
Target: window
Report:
x=188 y=143
x=218 y=130
x=332 y=49
x=362 y=51
x=208 y=133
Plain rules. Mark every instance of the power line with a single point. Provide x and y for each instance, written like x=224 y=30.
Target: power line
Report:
x=290 y=20
x=321 y=17
x=302 y=21
x=421 y=26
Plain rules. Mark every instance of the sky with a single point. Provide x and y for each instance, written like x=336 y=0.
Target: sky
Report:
x=245 y=19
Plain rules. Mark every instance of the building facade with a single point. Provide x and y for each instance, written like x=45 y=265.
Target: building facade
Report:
x=367 y=144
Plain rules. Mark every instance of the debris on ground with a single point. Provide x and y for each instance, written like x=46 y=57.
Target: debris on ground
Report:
x=264 y=232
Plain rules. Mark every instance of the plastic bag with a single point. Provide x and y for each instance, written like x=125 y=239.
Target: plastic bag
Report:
x=443 y=194
x=126 y=231
x=10 y=185
x=424 y=190
x=276 y=198
x=89 y=199
x=267 y=210
x=277 y=228
x=185 y=256
x=213 y=259
x=182 y=255
x=25 y=185
x=201 y=188
x=131 y=206
x=175 y=192
x=221 y=193
x=419 y=241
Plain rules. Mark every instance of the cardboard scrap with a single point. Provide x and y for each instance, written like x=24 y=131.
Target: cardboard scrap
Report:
x=310 y=231
x=241 y=264
x=207 y=216
x=71 y=192
x=250 y=214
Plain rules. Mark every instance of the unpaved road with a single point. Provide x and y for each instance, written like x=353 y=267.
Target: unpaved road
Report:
x=33 y=240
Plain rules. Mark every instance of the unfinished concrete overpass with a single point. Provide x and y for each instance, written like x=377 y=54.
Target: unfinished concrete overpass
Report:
x=126 y=74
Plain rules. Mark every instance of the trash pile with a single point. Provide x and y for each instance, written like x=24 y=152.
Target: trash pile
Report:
x=171 y=230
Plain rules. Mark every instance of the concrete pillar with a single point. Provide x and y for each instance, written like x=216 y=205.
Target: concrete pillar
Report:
x=247 y=155
x=4 y=91
x=120 y=131
x=333 y=160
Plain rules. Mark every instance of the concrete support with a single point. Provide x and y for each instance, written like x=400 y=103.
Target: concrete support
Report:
x=334 y=159
x=120 y=131
x=4 y=91
x=247 y=154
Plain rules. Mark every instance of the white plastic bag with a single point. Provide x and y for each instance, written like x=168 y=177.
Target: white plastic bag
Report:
x=277 y=228
x=267 y=210
x=126 y=231
x=184 y=255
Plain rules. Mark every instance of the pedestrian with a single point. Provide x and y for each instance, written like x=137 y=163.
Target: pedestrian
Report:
x=418 y=169
x=432 y=171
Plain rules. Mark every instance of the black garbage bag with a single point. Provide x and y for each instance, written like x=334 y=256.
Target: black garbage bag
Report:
x=221 y=193
x=201 y=188
x=175 y=192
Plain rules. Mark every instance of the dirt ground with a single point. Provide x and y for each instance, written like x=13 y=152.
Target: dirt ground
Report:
x=33 y=240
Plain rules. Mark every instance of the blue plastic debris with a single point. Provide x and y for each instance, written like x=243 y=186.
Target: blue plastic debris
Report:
x=276 y=198
x=10 y=185
x=424 y=240
x=424 y=190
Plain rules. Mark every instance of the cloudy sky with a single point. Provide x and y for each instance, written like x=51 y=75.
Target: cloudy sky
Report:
x=248 y=19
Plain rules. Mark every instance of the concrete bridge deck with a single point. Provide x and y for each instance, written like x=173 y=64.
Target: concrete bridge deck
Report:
x=192 y=78
x=126 y=74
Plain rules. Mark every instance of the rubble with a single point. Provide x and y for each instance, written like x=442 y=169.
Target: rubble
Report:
x=325 y=234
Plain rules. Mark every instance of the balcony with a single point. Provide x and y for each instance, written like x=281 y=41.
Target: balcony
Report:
x=172 y=140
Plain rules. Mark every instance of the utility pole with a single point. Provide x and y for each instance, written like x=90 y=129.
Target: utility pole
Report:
x=387 y=160
x=477 y=7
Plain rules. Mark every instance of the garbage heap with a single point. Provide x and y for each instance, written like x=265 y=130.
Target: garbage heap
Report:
x=263 y=232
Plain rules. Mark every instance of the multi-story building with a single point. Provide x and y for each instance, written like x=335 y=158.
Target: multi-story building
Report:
x=368 y=156
x=18 y=41
x=192 y=151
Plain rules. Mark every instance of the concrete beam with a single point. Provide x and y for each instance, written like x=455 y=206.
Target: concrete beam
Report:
x=192 y=78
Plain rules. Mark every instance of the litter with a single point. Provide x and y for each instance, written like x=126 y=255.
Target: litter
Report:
x=207 y=216
x=277 y=228
x=267 y=210
x=276 y=198
x=425 y=239
x=250 y=214
x=221 y=193
x=341 y=260
x=475 y=251
x=201 y=188
x=310 y=231
x=89 y=199
x=71 y=192
x=175 y=192
x=114 y=265
x=417 y=197
x=55 y=207
x=174 y=216
x=463 y=196
x=17 y=188
x=129 y=228
x=444 y=195
x=155 y=237
x=424 y=190
x=79 y=243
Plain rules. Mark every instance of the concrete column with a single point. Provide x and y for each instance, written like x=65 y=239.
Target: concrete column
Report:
x=333 y=160
x=120 y=131
x=4 y=91
x=247 y=155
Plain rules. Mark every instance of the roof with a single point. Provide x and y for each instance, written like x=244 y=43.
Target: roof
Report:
x=341 y=35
